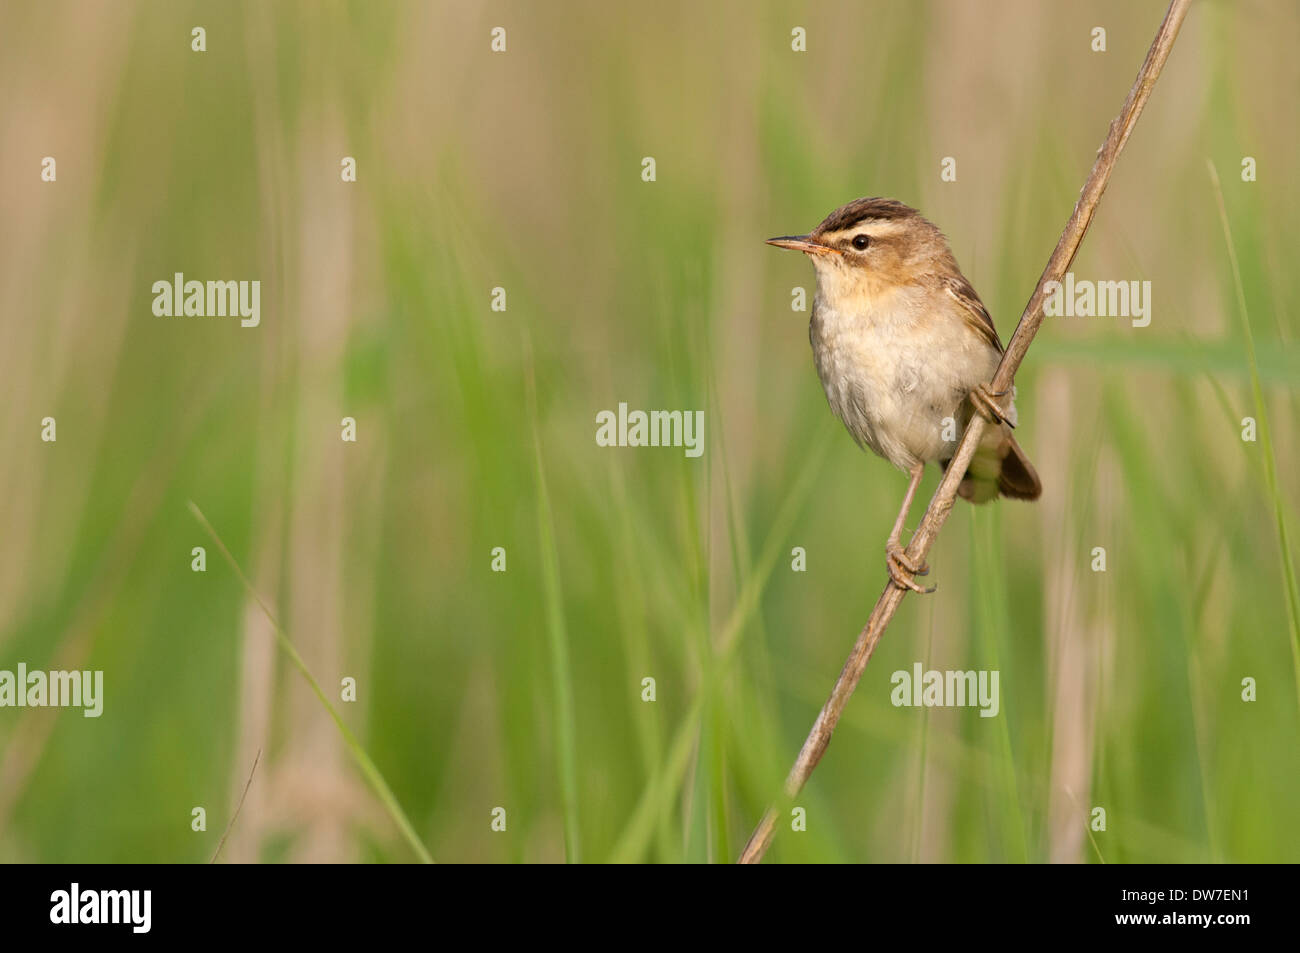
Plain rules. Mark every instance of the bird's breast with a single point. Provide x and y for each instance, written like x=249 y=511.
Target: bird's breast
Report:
x=893 y=374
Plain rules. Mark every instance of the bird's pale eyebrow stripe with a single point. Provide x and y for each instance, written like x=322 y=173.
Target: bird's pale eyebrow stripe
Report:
x=875 y=227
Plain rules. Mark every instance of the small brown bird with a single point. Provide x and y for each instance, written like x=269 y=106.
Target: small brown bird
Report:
x=905 y=351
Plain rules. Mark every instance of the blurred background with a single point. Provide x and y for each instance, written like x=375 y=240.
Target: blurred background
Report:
x=475 y=429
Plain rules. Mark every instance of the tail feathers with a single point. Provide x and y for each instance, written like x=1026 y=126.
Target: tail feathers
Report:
x=1018 y=479
x=999 y=469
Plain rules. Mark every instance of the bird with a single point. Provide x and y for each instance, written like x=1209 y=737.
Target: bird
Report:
x=906 y=352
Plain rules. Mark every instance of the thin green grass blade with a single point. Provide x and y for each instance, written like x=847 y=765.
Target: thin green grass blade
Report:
x=1265 y=441
x=557 y=638
x=368 y=767
x=663 y=786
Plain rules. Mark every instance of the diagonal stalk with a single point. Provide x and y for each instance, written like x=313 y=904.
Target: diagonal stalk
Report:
x=368 y=767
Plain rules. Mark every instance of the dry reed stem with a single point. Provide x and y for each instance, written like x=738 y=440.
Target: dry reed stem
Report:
x=238 y=807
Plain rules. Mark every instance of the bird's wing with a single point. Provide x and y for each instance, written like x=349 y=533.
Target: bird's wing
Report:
x=972 y=309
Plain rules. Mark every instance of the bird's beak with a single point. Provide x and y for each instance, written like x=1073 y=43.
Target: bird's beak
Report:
x=803 y=243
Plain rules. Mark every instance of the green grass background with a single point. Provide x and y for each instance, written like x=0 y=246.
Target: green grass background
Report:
x=522 y=689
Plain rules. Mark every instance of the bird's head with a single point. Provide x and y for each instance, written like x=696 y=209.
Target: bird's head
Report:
x=869 y=248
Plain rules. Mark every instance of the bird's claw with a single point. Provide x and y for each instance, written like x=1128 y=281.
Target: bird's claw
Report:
x=902 y=568
x=986 y=405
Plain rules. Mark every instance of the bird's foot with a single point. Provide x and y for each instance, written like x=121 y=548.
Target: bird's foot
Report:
x=987 y=406
x=902 y=568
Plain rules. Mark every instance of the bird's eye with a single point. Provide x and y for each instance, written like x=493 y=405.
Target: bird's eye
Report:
x=860 y=242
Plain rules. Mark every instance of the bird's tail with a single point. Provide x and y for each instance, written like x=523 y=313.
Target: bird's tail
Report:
x=999 y=468
x=1018 y=479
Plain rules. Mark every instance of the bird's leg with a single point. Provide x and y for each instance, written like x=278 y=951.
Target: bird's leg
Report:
x=986 y=405
x=901 y=566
